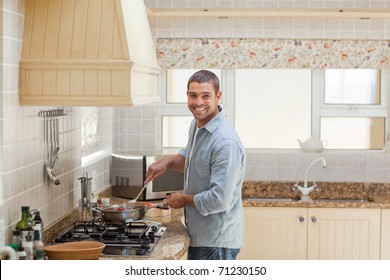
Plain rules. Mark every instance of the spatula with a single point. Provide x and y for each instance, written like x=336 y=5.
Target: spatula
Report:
x=131 y=203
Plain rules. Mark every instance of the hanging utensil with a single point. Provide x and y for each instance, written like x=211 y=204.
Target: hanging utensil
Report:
x=51 y=139
x=51 y=136
x=57 y=163
x=57 y=133
x=46 y=138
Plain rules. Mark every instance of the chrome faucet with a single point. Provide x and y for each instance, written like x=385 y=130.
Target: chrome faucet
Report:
x=306 y=190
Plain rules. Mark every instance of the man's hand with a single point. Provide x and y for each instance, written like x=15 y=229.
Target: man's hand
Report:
x=179 y=200
x=156 y=169
x=159 y=167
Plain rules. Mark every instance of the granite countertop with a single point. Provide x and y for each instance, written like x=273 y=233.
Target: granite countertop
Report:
x=328 y=195
x=321 y=203
x=173 y=245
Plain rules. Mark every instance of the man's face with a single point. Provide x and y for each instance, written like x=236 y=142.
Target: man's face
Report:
x=203 y=102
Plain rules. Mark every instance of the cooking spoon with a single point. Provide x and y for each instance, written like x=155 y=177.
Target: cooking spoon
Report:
x=131 y=203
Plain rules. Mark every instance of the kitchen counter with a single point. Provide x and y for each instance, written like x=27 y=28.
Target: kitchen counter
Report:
x=327 y=195
x=173 y=245
x=321 y=203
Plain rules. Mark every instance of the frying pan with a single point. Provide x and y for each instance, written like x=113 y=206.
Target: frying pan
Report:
x=118 y=214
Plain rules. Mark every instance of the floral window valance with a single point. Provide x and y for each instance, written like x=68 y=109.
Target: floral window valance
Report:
x=271 y=53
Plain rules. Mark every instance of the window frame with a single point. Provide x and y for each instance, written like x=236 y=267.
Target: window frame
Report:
x=319 y=108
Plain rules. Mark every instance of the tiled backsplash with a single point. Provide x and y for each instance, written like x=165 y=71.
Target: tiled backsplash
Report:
x=355 y=166
x=22 y=181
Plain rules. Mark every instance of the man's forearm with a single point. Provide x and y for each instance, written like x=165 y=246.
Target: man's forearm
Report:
x=176 y=163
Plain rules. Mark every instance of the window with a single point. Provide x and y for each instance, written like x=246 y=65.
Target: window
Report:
x=352 y=108
x=174 y=131
x=352 y=86
x=353 y=132
x=272 y=108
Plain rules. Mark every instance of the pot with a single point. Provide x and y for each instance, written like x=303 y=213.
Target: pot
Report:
x=119 y=214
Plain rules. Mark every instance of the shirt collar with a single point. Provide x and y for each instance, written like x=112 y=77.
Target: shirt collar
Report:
x=212 y=125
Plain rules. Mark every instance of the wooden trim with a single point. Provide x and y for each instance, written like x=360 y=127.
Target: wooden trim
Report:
x=76 y=101
x=75 y=64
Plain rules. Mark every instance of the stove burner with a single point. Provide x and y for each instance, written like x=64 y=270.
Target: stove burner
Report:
x=80 y=236
x=127 y=238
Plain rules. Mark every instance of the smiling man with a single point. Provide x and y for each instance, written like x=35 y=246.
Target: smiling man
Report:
x=213 y=163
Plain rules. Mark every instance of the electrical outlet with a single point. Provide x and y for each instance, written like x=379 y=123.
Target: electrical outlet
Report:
x=2 y=233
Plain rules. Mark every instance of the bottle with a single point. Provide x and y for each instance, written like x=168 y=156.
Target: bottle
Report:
x=38 y=247
x=25 y=225
x=21 y=254
x=28 y=246
x=38 y=223
x=16 y=238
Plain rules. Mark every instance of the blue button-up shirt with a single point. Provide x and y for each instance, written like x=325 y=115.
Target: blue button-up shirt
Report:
x=215 y=178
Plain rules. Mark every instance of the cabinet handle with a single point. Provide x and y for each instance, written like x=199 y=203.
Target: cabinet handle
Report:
x=313 y=219
x=301 y=219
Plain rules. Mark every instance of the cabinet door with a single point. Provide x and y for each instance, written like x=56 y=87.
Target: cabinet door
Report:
x=339 y=233
x=385 y=236
x=274 y=233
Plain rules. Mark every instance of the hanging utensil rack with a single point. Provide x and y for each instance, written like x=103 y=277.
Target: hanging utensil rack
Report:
x=51 y=137
x=52 y=113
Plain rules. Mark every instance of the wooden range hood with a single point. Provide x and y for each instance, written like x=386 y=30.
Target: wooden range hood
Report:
x=87 y=53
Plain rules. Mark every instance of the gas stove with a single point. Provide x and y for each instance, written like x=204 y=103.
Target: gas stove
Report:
x=125 y=239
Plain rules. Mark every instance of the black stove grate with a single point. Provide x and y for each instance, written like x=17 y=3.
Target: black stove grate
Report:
x=127 y=238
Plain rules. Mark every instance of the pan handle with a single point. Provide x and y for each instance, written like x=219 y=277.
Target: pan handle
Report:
x=159 y=205
x=98 y=210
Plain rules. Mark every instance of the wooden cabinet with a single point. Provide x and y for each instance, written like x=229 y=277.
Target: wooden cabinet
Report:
x=385 y=235
x=274 y=233
x=311 y=233
x=341 y=233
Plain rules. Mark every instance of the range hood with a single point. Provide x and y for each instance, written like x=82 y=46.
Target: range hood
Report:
x=87 y=53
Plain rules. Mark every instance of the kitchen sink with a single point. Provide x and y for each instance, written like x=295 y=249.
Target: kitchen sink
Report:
x=341 y=200
x=287 y=199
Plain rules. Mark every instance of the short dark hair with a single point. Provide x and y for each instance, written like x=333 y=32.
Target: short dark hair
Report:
x=204 y=76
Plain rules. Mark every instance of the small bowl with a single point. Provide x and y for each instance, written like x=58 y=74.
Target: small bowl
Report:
x=82 y=250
